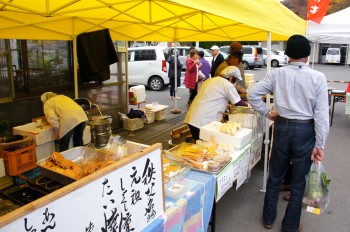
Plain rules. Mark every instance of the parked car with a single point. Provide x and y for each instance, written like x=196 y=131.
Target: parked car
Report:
x=184 y=51
x=252 y=55
x=333 y=56
x=276 y=60
x=147 y=66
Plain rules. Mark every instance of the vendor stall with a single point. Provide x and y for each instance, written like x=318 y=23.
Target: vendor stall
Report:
x=108 y=198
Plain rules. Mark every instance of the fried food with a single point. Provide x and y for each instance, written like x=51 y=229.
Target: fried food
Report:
x=58 y=163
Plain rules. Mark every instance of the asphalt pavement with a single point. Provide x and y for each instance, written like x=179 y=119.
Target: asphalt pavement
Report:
x=241 y=210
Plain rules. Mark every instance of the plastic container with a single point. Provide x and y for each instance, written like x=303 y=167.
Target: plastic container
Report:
x=133 y=124
x=159 y=115
x=31 y=174
x=139 y=92
x=149 y=117
x=19 y=161
x=4 y=146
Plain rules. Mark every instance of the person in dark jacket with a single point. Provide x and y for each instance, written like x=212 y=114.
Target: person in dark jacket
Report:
x=171 y=74
x=218 y=58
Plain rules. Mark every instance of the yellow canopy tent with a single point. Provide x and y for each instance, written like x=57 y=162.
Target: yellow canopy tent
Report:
x=149 y=20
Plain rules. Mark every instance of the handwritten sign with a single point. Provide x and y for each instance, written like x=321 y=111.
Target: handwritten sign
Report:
x=126 y=199
x=243 y=169
x=121 y=46
x=255 y=151
x=224 y=181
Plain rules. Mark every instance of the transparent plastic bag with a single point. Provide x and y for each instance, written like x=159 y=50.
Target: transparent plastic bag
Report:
x=316 y=195
x=116 y=149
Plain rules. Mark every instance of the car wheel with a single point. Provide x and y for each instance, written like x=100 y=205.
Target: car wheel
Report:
x=245 y=65
x=275 y=63
x=155 y=83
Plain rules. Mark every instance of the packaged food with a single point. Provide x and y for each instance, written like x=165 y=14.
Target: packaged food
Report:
x=213 y=166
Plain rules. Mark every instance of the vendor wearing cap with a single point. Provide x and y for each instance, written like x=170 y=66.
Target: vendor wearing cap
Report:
x=66 y=116
x=218 y=58
x=234 y=59
x=212 y=99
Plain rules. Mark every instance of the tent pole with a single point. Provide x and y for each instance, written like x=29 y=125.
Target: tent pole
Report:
x=347 y=55
x=175 y=110
x=75 y=67
x=267 y=121
x=313 y=54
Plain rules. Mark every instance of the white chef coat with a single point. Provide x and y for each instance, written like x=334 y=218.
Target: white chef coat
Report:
x=63 y=113
x=211 y=99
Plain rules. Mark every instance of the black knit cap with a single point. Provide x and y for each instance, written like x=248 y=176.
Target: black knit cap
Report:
x=298 y=47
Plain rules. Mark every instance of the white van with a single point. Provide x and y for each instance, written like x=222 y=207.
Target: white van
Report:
x=147 y=66
x=333 y=56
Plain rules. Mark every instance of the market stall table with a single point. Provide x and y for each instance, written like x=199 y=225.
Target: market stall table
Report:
x=336 y=94
x=192 y=210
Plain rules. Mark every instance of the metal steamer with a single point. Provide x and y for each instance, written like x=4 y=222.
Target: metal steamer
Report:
x=100 y=132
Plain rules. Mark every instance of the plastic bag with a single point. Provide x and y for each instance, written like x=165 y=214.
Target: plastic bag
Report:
x=116 y=149
x=316 y=195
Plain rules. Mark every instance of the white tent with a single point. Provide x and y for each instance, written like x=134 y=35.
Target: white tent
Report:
x=334 y=28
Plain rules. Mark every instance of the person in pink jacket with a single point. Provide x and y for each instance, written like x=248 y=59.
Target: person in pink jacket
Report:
x=191 y=76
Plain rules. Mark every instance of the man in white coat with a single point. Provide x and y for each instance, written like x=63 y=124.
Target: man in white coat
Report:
x=66 y=116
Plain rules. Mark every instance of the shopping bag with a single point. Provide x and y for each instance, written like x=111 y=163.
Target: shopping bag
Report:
x=316 y=195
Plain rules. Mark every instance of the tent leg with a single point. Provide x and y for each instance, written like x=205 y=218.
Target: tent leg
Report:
x=175 y=110
x=75 y=67
x=267 y=122
x=313 y=55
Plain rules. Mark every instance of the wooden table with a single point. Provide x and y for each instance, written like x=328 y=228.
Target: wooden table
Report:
x=335 y=94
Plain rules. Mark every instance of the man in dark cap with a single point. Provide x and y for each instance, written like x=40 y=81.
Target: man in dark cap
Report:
x=300 y=131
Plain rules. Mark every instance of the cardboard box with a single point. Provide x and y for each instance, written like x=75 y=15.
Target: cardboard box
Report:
x=160 y=115
x=149 y=117
x=39 y=135
x=133 y=124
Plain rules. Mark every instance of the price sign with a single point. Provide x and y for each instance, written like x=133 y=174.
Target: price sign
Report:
x=224 y=181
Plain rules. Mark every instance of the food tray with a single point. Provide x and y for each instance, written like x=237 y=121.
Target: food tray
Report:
x=182 y=171
x=75 y=155
x=189 y=166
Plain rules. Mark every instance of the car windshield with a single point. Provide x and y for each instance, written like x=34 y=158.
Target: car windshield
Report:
x=332 y=52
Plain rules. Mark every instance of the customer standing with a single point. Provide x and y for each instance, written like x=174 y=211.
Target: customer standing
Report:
x=213 y=98
x=301 y=127
x=171 y=74
x=218 y=58
x=204 y=65
x=66 y=116
x=191 y=76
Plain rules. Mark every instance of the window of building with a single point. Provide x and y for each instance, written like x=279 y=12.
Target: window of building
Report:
x=31 y=67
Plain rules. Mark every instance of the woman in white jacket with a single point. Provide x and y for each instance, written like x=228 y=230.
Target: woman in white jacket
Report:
x=66 y=116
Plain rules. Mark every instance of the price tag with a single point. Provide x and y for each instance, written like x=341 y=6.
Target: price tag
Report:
x=224 y=181
x=313 y=210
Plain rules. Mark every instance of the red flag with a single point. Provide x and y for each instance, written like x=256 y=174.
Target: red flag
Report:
x=316 y=9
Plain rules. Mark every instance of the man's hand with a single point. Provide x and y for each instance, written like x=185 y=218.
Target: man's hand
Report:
x=317 y=155
x=273 y=116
